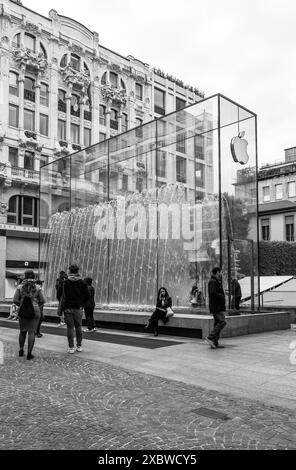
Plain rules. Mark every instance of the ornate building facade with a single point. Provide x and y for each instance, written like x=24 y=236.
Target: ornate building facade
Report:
x=61 y=91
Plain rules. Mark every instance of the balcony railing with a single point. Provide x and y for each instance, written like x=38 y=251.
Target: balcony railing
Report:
x=87 y=115
x=23 y=174
x=159 y=110
x=114 y=124
x=62 y=106
x=29 y=95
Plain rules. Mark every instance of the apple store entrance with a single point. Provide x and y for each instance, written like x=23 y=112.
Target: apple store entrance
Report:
x=159 y=205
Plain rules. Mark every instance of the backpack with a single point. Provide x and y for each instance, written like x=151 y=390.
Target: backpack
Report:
x=26 y=310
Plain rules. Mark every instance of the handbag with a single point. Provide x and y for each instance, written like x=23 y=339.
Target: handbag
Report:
x=170 y=312
x=26 y=310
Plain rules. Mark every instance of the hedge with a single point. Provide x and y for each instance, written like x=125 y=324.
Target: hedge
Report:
x=277 y=258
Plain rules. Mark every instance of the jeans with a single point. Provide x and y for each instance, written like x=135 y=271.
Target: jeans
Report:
x=73 y=319
x=40 y=321
x=89 y=315
x=219 y=324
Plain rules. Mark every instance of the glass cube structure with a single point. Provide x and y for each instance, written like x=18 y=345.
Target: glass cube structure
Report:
x=159 y=205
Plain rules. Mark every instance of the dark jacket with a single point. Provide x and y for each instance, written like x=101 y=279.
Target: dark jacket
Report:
x=216 y=296
x=167 y=303
x=91 y=301
x=235 y=288
x=76 y=292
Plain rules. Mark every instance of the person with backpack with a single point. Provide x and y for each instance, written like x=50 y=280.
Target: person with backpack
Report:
x=90 y=306
x=75 y=293
x=29 y=298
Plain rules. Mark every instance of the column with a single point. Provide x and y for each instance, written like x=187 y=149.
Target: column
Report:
x=37 y=104
x=21 y=100
x=108 y=114
x=2 y=264
x=68 y=114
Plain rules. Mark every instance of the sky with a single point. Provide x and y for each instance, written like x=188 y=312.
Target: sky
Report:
x=244 y=50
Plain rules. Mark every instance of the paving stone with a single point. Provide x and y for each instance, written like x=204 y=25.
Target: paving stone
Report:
x=62 y=402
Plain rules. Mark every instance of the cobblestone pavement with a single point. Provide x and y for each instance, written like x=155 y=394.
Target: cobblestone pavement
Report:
x=60 y=401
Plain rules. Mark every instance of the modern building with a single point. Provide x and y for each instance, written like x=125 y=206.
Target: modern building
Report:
x=62 y=90
x=276 y=197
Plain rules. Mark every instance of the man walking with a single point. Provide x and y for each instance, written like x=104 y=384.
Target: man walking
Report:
x=75 y=297
x=217 y=307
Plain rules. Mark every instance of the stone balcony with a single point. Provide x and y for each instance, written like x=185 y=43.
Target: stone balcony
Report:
x=10 y=174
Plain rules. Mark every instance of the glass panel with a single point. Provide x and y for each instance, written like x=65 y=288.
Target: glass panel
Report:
x=141 y=215
x=13 y=84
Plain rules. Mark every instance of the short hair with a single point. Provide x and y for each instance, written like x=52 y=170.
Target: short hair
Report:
x=73 y=269
x=62 y=273
x=88 y=281
x=216 y=270
x=29 y=274
x=39 y=282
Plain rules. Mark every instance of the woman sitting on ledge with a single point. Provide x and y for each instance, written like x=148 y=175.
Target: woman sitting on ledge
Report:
x=162 y=312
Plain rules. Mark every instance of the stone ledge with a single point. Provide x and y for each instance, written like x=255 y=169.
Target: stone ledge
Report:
x=185 y=324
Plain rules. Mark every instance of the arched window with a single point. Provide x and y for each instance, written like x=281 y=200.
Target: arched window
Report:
x=64 y=61
x=23 y=210
x=104 y=78
x=30 y=42
x=65 y=206
x=13 y=84
x=16 y=42
x=113 y=79
x=75 y=61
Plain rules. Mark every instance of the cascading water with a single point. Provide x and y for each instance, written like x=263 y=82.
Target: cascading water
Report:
x=131 y=261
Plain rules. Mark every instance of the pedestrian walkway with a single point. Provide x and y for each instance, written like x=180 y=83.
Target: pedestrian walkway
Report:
x=122 y=395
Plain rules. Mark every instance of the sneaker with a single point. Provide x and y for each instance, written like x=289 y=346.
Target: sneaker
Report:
x=71 y=350
x=39 y=335
x=11 y=317
x=217 y=345
x=210 y=342
x=62 y=323
x=21 y=353
x=30 y=356
x=79 y=349
x=86 y=330
x=94 y=329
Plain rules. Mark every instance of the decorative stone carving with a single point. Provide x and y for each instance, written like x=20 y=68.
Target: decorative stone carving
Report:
x=3 y=170
x=77 y=49
x=31 y=28
x=3 y=208
x=114 y=95
x=115 y=68
x=53 y=15
x=54 y=60
x=25 y=57
x=96 y=36
x=75 y=77
x=5 y=39
x=30 y=143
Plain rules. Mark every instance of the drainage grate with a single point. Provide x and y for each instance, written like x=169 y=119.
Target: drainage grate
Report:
x=208 y=413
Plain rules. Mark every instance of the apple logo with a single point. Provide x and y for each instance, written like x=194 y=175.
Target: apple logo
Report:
x=238 y=148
